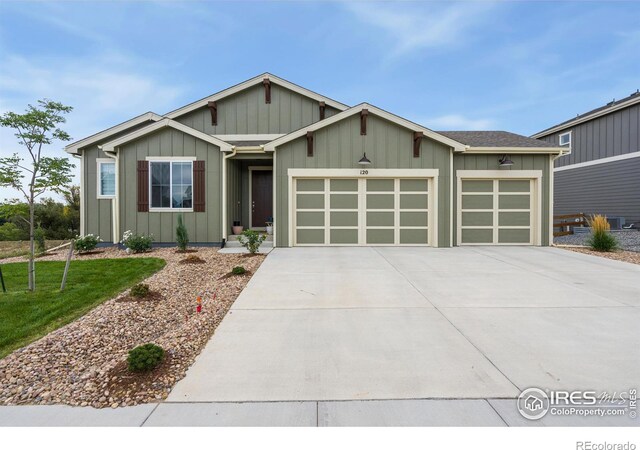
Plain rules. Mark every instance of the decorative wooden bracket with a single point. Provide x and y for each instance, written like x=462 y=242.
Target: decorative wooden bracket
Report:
x=417 y=140
x=267 y=90
x=309 y=143
x=363 y=122
x=322 y=109
x=213 y=107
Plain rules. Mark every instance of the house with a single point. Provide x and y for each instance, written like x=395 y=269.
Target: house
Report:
x=600 y=173
x=325 y=172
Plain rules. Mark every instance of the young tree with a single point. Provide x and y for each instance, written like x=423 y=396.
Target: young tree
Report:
x=37 y=127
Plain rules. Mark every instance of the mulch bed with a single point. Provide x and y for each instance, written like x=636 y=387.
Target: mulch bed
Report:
x=150 y=297
x=192 y=259
x=189 y=250
x=84 y=362
x=92 y=252
x=231 y=274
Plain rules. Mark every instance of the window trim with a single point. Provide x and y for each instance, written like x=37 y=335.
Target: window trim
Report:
x=568 y=144
x=99 y=163
x=170 y=160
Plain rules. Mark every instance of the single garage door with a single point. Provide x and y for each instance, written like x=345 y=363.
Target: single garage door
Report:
x=497 y=211
x=362 y=211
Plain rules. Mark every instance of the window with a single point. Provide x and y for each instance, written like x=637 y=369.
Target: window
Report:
x=106 y=178
x=171 y=184
x=565 y=139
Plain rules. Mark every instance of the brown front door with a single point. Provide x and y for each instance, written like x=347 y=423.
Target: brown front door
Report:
x=261 y=197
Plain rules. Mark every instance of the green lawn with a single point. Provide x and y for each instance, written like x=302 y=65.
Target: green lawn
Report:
x=26 y=316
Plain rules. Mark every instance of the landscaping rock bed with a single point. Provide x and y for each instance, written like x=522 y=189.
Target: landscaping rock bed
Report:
x=83 y=363
x=628 y=239
x=620 y=255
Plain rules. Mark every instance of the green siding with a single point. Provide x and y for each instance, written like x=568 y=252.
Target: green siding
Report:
x=97 y=212
x=520 y=162
x=340 y=145
x=247 y=113
x=202 y=227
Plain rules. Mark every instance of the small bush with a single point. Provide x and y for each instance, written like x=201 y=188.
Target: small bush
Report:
x=39 y=240
x=251 y=240
x=182 y=237
x=140 y=290
x=238 y=270
x=86 y=243
x=10 y=232
x=601 y=239
x=145 y=357
x=137 y=243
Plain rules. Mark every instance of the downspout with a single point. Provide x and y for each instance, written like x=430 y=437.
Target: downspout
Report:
x=81 y=158
x=224 y=193
x=116 y=200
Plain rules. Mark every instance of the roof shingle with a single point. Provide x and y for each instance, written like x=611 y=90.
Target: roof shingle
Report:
x=494 y=139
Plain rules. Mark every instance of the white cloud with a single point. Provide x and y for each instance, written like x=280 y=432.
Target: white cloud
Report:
x=455 y=122
x=103 y=90
x=422 y=25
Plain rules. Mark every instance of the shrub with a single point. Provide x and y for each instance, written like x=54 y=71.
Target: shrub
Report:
x=86 y=243
x=137 y=243
x=145 y=357
x=139 y=290
x=39 y=240
x=251 y=240
x=10 y=232
x=601 y=239
x=182 y=237
x=238 y=270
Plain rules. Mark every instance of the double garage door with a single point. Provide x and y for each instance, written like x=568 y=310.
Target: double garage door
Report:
x=497 y=211
x=362 y=211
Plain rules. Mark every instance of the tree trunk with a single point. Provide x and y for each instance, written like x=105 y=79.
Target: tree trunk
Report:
x=32 y=262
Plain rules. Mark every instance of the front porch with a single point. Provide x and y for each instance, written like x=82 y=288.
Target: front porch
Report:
x=249 y=195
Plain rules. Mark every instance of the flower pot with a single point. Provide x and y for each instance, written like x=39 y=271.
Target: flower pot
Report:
x=269 y=230
x=237 y=229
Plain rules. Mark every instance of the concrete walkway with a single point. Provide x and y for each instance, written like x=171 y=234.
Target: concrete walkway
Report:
x=427 y=412
x=332 y=324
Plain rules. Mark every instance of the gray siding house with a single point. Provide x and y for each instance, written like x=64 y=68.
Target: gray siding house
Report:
x=324 y=173
x=600 y=174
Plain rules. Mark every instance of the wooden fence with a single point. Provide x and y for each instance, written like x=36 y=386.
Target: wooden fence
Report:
x=567 y=222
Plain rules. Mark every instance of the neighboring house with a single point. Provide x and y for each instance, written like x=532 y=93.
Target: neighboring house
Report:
x=601 y=172
x=327 y=173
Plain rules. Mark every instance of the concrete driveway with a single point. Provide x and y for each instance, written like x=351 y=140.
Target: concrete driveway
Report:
x=421 y=323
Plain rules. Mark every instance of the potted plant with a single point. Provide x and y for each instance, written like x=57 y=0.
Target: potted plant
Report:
x=269 y=223
x=237 y=228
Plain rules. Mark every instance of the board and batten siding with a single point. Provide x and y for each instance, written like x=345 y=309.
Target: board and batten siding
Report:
x=520 y=162
x=203 y=227
x=614 y=134
x=98 y=218
x=97 y=213
x=247 y=113
x=340 y=146
x=612 y=189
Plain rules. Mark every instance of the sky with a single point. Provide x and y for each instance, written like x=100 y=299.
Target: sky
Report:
x=478 y=65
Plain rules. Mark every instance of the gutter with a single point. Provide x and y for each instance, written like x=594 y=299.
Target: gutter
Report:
x=234 y=151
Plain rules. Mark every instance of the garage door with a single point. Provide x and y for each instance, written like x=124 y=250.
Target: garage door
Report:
x=496 y=211
x=359 y=211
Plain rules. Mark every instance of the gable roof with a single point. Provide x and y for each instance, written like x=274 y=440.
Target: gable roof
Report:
x=495 y=139
x=163 y=123
x=271 y=146
x=74 y=147
x=252 y=82
x=601 y=111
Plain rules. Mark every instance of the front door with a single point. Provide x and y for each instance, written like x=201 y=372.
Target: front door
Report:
x=261 y=197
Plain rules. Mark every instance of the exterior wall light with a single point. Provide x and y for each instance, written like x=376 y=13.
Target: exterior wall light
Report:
x=364 y=161
x=505 y=161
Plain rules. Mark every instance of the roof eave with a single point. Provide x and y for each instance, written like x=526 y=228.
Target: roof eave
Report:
x=74 y=147
x=604 y=112
x=455 y=145
x=251 y=82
